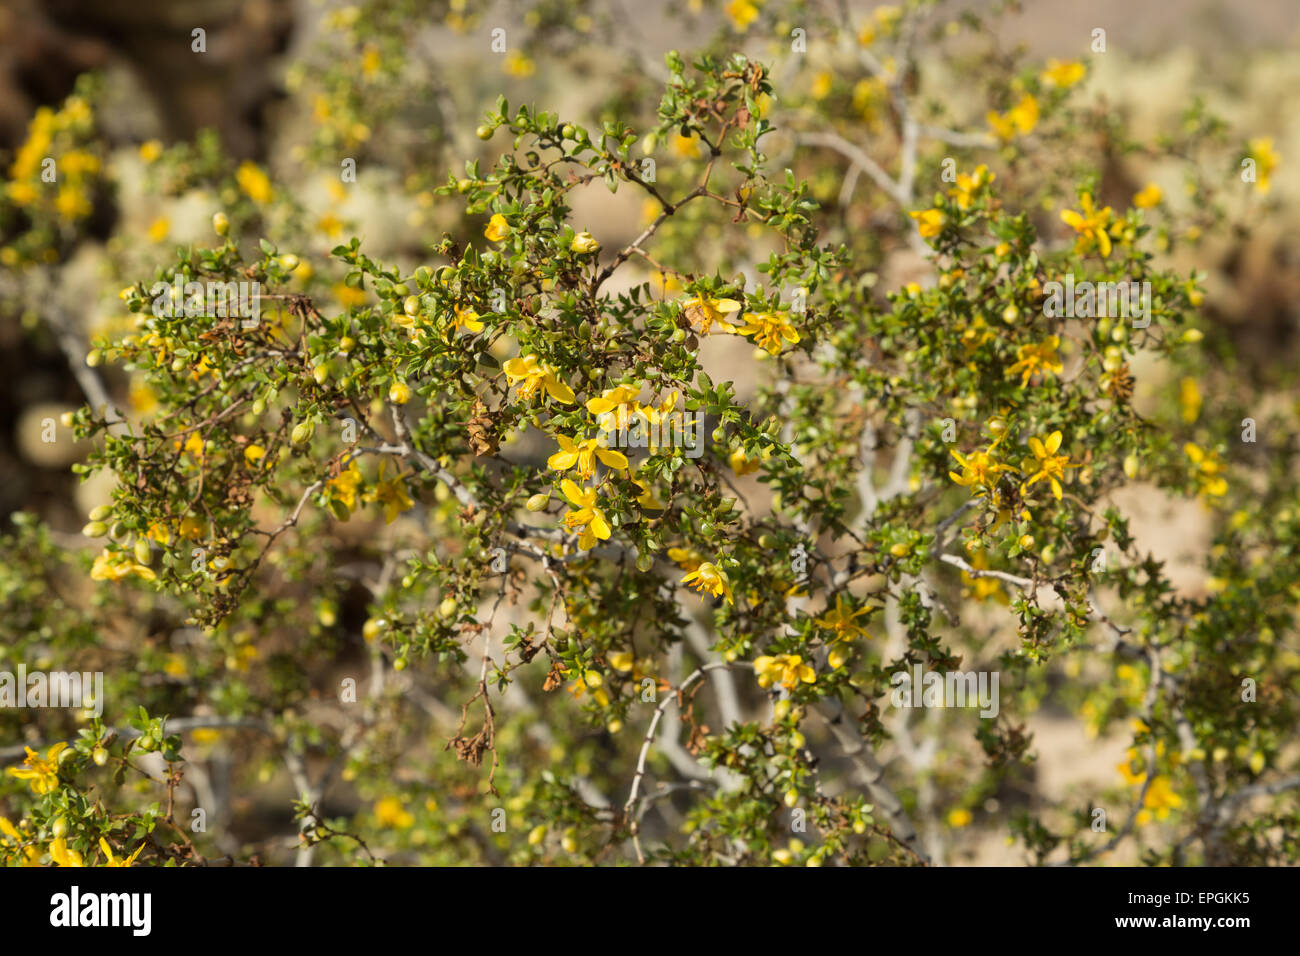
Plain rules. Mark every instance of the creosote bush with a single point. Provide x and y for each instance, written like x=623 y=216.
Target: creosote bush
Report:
x=619 y=608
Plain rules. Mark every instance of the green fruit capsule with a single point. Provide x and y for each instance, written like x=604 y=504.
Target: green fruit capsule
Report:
x=96 y=529
x=483 y=132
x=302 y=432
x=411 y=305
x=537 y=502
x=100 y=756
x=143 y=552
x=100 y=513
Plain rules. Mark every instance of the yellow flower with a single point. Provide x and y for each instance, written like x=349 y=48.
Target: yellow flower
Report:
x=1266 y=160
x=71 y=203
x=532 y=373
x=708 y=577
x=115 y=567
x=742 y=465
x=978 y=470
x=1189 y=400
x=688 y=559
x=959 y=818
x=497 y=228
x=390 y=813
x=150 y=150
x=1131 y=777
x=330 y=224
x=590 y=681
x=647 y=497
x=887 y=18
x=391 y=494
x=661 y=415
x=786 y=669
x=63 y=856
x=1208 y=472
x=111 y=860
x=42 y=773
x=841 y=620
x=929 y=222
x=742 y=13
x=982 y=588
x=1160 y=799
x=370 y=60
x=967 y=186
x=615 y=406
x=465 y=317
x=519 y=63
x=343 y=488
x=1091 y=225
x=583 y=244
x=685 y=147
x=1034 y=358
x=30 y=855
x=158 y=230
x=1149 y=196
x=254 y=182
x=621 y=661
x=253 y=453
x=1019 y=120
x=704 y=312
x=23 y=193
x=1051 y=466
x=821 y=85
x=870 y=95
x=583 y=454
x=1064 y=73
x=347 y=296
x=587 y=515
x=769 y=329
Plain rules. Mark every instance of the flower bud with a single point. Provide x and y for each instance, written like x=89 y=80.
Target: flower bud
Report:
x=221 y=224
x=399 y=393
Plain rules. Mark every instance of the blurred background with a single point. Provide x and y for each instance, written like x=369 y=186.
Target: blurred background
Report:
x=1242 y=56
